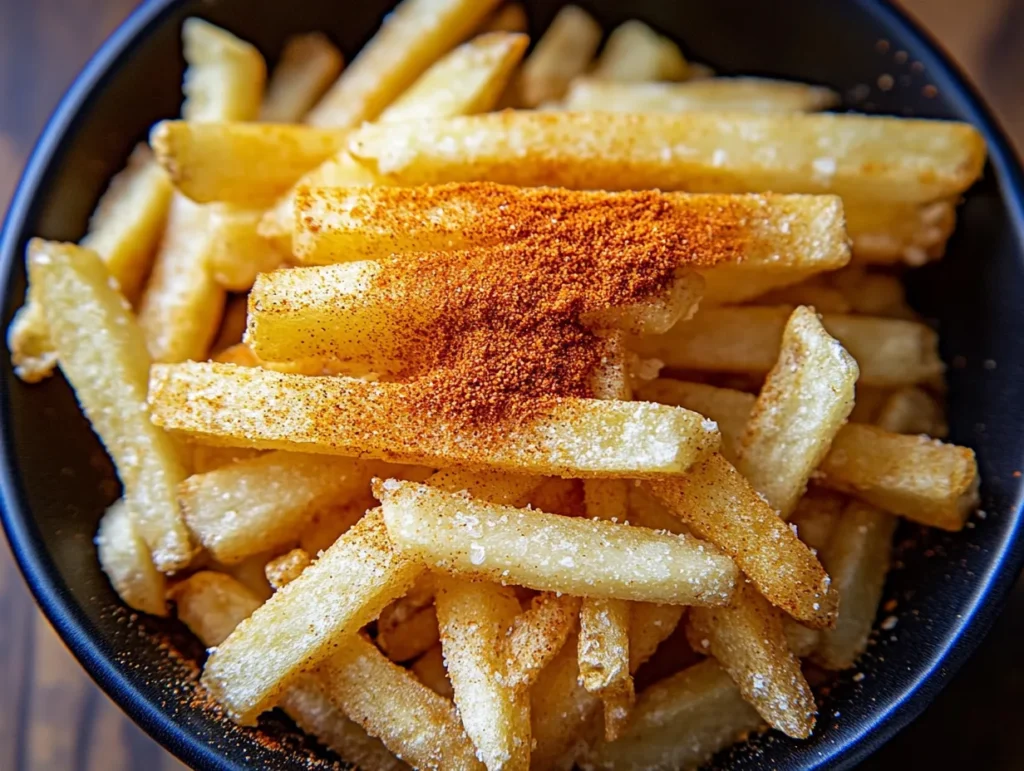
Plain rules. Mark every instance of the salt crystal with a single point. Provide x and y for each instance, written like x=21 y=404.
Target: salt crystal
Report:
x=477 y=554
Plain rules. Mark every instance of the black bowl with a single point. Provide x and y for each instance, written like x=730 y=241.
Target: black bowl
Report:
x=55 y=480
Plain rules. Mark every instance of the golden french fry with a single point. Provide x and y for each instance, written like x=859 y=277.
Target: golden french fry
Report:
x=306 y=68
x=28 y=339
x=430 y=669
x=883 y=159
x=563 y=52
x=711 y=94
x=328 y=524
x=647 y=511
x=212 y=604
x=549 y=552
x=237 y=252
x=749 y=641
x=282 y=570
x=225 y=75
x=805 y=400
x=126 y=560
x=802 y=640
x=510 y=17
x=635 y=53
x=411 y=39
x=909 y=233
x=577 y=437
x=538 y=634
x=816 y=516
x=407 y=640
x=250 y=572
x=649 y=626
x=103 y=355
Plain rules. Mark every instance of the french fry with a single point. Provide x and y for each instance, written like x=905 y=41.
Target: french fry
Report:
x=475 y=619
x=802 y=640
x=816 y=516
x=635 y=53
x=912 y=411
x=909 y=233
x=308 y=65
x=889 y=352
x=679 y=722
x=540 y=551
x=212 y=604
x=869 y=402
x=412 y=38
x=331 y=522
x=430 y=669
x=419 y=598
x=282 y=570
x=232 y=324
x=125 y=559
x=910 y=160
x=647 y=511
x=406 y=641
x=871 y=293
x=538 y=634
x=226 y=404
x=237 y=252
x=560 y=496
x=710 y=94
x=264 y=503
x=290 y=632
x=103 y=355
x=510 y=17
x=804 y=402
x=823 y=298
x=563 y=52
x=251 y=572
x=749 y=641
x=28 y=339
x=225 y=75
x=720 y=505
x=649 y=626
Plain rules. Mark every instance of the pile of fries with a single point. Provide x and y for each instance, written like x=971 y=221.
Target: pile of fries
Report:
x=419 y=589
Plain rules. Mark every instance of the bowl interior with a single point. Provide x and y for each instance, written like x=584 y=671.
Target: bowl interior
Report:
x=56 y=480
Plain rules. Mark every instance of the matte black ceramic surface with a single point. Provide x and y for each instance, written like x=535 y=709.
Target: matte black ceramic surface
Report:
x=55 y=479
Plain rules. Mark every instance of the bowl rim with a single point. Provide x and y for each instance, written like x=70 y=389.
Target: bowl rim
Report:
x=70 y=622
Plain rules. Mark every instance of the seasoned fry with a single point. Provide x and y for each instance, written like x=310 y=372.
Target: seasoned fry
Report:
x=722 y=94
x=802 y=640
x=816 y=516
x=125 y=559
x=510 y=17
x=563 y=52
x=635 y=53
x=407 y=640
x=282 y=570
x=889 y=352
x=431 y=671
x=909 y=233
x=748 y=640
x=576 y=437
x=308 y=65
x=225 y=75
x=411 y=39
x=649 y=626
x=237 y=252
x=910 y=160
x=540 y=551
x=538 y=634
x=103 y=355
x=329 y=523
x=212 y=604
x=804 y=402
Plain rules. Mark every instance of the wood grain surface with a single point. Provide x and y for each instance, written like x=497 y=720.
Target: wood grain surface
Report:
x=51 y=715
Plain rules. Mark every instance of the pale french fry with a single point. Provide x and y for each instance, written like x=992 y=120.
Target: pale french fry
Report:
x=249 y=164
x=264 y=503
x=308 y=65
x=410 y=40
x=816 y=516
x=635 y=53
x=406 y=641
x=824 y=299
x=28 y=339
x=237 y=252
x=538 y=634
x=563 y=52
x=540 y=551
x=721 y=94
x=251 y=572
x=871 y=293
x=125 y=559
x=182 y=305
x=103 y=355
x=212 y=604
x=475 y=619
x=649 y=626
x=431 y=671
x=748 y=640
x=252 y=407
x=328 y=524
x=510 y=17
x=909 y=160
x=912 y=411
x=805 y=400
x=290 y=632
x=720 y=505
x=802 y=640
x=908 y=233
x=679 y=722
x=282 y=570
x=889 y=352
x=787 y=236
x=225 y=75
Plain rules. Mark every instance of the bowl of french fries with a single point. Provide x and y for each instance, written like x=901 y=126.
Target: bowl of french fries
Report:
x=499 y=386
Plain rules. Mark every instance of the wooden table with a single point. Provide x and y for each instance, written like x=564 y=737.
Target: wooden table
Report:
x=51 y=714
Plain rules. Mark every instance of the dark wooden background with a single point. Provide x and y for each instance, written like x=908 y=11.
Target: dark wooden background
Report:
x=44 y=695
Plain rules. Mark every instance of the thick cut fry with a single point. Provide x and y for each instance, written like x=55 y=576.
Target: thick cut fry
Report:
x=264 y=503
x=538 y=634
x=805 y=400
x=244 y=406
x=778 y=235
x=225 y=75
x=563 y=52
x=291 y=633
x=635 y=53
x=432 y=672
x=720 y=505
x=330 y=523
x=475 y=619
x=411 y=39
x=212 y=604
x=388 y=701
x=249 y=164
x=912 y=411
x=679 y=722
x=908 y=233
x=308 y=65
x=883 y=159
x=125 y=559
x=182 y=305
x=816 y=516
x=889 y=352
x=510 y=17
x=647 y=511
x=237 y=252
x=406 y=641
x=28 y=339
x=721 y=94
x=919 y=478
x=649 y=626
x=478 y=540
x=250 y=572
x=282 y=570
x=749 y=641
x=232 y=324
x=103 y=355
x=871 y=293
